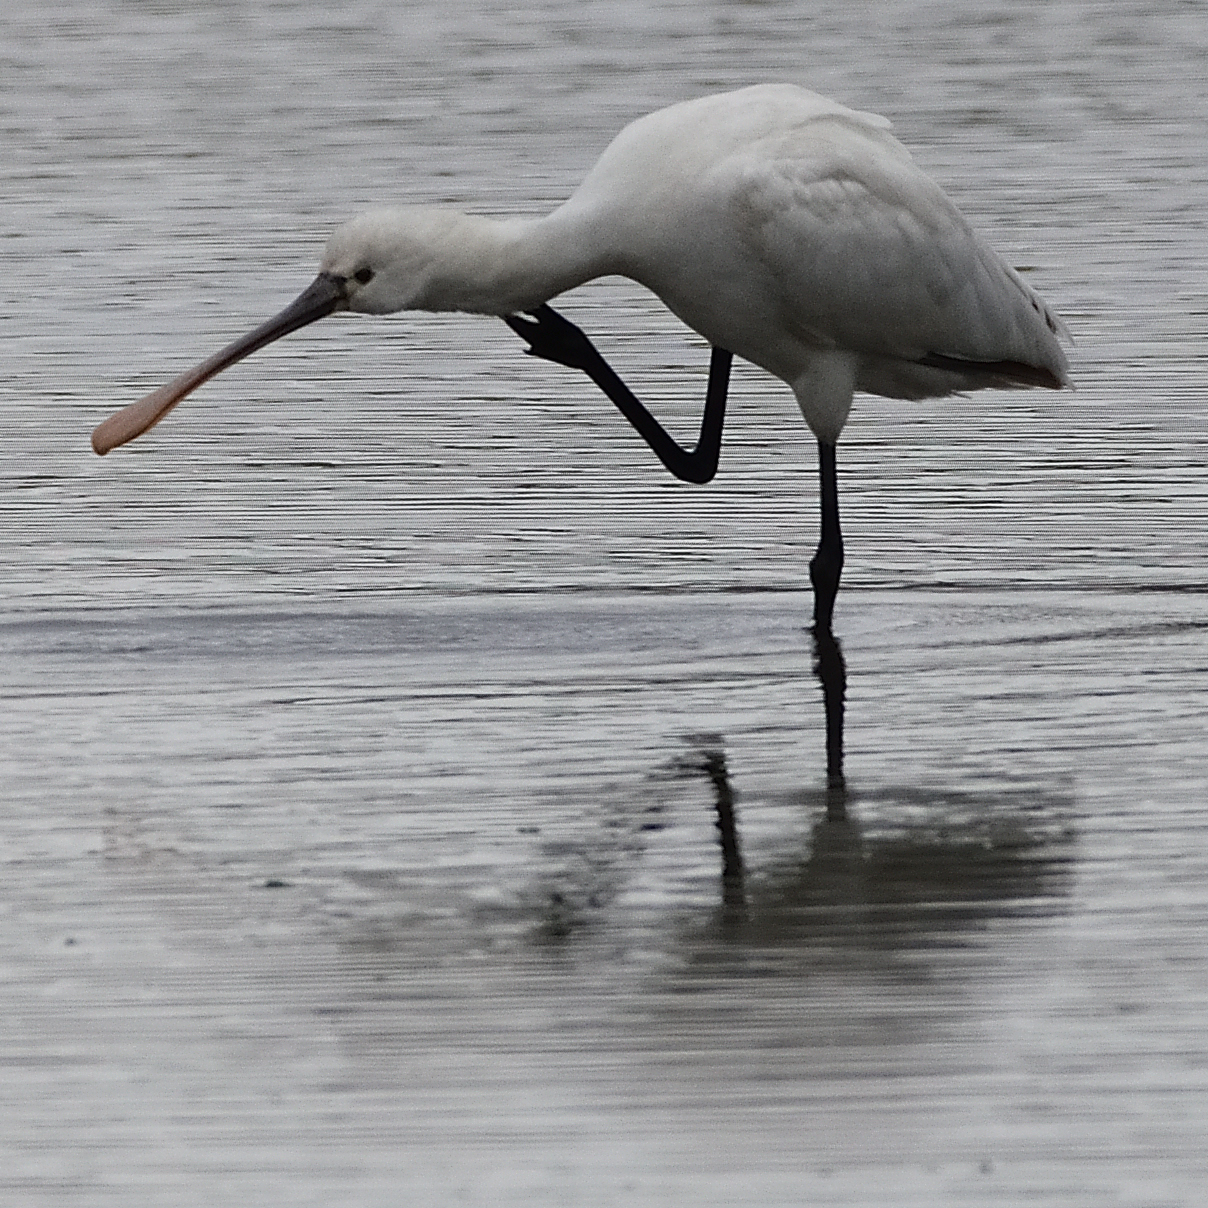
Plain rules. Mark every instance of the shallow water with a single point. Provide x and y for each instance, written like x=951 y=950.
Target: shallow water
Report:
x=366 y=725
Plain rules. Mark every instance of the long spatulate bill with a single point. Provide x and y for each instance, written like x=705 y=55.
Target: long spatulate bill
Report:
x=325 y=294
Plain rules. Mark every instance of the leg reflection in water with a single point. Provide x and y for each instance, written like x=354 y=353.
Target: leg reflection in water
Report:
x=832 y=675
x=905 y=862
x=732 y=892
x=831 y=671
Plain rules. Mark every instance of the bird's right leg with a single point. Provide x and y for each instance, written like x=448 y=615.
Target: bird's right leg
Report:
x=826 y=566
x=556 y=339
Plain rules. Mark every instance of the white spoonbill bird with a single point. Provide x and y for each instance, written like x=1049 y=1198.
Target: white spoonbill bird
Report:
x=781 y=226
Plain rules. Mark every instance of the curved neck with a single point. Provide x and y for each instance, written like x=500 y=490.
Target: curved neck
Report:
x=504 y=266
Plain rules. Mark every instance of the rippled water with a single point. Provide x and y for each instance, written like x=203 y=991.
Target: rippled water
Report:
x=366 y=725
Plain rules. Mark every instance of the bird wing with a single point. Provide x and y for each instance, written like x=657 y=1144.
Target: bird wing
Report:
x=869 y=255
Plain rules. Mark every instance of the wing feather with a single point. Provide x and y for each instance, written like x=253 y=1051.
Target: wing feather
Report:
x=870 y=255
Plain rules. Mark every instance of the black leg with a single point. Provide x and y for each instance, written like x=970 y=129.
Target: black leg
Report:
x=827 y=564
x=556 y=339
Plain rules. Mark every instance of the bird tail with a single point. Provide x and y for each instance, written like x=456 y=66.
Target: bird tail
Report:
x=996 y=373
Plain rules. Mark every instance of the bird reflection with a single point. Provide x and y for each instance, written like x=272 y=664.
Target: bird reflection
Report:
x=713 y=763
x=924 y=861
x=889 y=866
x=710 y=759
x=934 y=854
x=831 y=671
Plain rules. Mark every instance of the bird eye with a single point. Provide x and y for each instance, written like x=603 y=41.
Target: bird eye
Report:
x=363 y=275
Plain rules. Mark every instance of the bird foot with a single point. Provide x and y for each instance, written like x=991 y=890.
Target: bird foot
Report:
x=553 y=338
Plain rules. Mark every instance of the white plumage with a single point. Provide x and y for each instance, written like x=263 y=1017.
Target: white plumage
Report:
x=783 y=227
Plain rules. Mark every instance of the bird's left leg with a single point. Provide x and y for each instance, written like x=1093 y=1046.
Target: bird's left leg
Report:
x=554 y=338
x=826 y=566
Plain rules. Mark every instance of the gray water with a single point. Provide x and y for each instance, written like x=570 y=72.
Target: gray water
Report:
x=365 y=725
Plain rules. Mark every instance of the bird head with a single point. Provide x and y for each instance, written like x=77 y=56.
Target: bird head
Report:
x=391 y=259
x=382 y=261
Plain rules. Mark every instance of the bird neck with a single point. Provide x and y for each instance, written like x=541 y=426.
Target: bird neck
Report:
x=503 y=266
